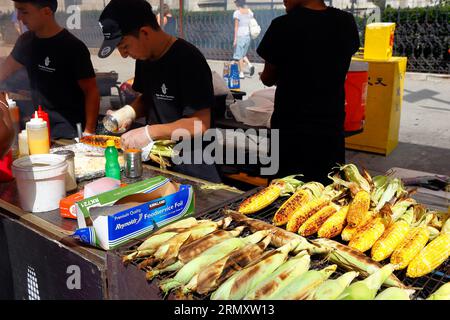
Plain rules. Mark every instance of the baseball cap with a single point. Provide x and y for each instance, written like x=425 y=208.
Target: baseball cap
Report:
x=53 y=4
x=119 y=18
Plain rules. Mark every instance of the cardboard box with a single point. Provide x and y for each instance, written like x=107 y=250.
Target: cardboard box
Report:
x=111 y=219
x=67 y=206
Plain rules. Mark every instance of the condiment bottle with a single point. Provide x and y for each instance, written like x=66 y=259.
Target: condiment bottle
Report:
x=44 y=116
x=15 y=116
x=112 y=166
x=23 y=144
x=37 y=133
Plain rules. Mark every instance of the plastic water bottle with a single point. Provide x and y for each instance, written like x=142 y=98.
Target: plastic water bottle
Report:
x=112 y=166
x=234 y=82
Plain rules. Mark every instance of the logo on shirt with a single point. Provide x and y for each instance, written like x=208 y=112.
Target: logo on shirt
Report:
x=164 y=95
x=164 y=88
x=46 y=66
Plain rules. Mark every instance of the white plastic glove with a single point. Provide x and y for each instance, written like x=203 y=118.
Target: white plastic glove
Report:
x=136 y=139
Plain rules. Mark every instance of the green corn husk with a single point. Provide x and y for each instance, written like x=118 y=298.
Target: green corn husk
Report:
x=178 y=226
x=289 y=184
x=395 y=293
x=289 y=270
x=354 y=260
x=189 y=270
x=443 y=293
x=302 y=287
x=149 y=246
x=240 y=284
x=217 y=273
x=400 y=207
x=379 y=181
x=367 y=288
x=316 y=188
x=394 y=189
x=331 y=289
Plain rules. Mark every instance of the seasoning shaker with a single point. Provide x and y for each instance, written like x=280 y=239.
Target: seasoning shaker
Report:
x=133 y=163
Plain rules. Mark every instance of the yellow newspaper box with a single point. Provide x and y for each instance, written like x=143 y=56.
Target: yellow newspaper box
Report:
x=383 y=107
x=379 y=40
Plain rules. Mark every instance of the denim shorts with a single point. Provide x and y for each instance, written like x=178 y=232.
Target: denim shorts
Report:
x=242 y=45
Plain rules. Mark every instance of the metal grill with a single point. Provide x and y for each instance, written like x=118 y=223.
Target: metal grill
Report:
x=424 y=286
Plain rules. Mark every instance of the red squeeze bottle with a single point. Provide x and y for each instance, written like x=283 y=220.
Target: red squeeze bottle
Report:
x=6 y=167
x=44 y=116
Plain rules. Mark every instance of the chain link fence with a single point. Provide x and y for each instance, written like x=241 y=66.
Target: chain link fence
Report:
x=422 y=34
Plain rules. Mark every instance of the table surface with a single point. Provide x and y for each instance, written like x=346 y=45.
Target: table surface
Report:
x=51 y=224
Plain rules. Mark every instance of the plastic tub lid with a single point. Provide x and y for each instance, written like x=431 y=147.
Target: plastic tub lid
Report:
x=358 y=66
x=39 y=166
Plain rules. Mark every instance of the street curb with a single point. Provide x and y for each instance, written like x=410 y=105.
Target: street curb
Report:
x=426 y=76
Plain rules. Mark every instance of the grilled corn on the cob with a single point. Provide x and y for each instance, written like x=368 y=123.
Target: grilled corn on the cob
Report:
x=366 y=237
x=306 y=211
x=334 y=224
x=286 y=210
x=349 y=231
x=392 y=237
x=432 y=256
x=312 y=225
x=358 y=208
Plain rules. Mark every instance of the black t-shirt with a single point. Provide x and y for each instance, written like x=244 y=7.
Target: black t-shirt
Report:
x=312 y=52
x=54 y=66
x=175 y=86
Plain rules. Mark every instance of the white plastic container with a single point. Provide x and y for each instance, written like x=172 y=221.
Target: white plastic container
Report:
x=40 y=181
x=23 y=144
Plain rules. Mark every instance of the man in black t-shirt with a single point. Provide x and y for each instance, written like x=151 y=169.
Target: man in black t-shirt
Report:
x=62 y=78
x=171 y=75
x=307 y=54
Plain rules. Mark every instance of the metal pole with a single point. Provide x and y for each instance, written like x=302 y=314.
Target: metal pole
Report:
x=181 y=13
x=161 y=14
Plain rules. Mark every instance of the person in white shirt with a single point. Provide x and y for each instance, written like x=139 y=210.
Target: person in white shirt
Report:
x=241 y=43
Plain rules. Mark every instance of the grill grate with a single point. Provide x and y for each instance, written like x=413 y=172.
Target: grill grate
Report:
x=424 y=286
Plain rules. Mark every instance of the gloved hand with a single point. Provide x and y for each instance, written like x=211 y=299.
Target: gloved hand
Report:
x=126 y=124
x=87 y=134
x=136 y=139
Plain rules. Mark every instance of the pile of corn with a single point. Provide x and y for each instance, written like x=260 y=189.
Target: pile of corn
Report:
x=374 y=215
x=209 y=259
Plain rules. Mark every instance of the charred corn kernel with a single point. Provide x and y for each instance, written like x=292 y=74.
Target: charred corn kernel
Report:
x=334 y=224
x=304 y=212
x=390 y=240
x=312 y=225
x=366 y=237
x=350 y=231
x=393 y=236
x=285 y=212
x=431 y=257
x=260 y=200
x=358 y=208
x=414 y=242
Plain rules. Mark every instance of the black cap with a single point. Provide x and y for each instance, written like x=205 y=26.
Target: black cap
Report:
x=53 y=4
x=119 y=18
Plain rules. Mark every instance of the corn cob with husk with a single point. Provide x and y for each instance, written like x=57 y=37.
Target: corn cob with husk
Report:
x=192 y=250
x=353 y=260
x=303 y=287
x=432 y=256
x=331 y=289
x=392 y=237
x=313 y=223
x=217 y=273
x=354 y=180
x=268 y=195
x=280 y=237
x=242 y=282
x=366 y=236
x=414 y=242
x=379 y=186
x=358 y=208
x=443 y=293
x=394 y=189
x=394 y=293
x=167 y=253
x=189 y=270
x=334 y=225
x=306 y=211
x=289 y=270
x=400 y=207
x=367 y=289
x=149 y=246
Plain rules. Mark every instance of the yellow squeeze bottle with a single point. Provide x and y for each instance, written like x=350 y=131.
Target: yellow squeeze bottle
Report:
x=37 y=132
